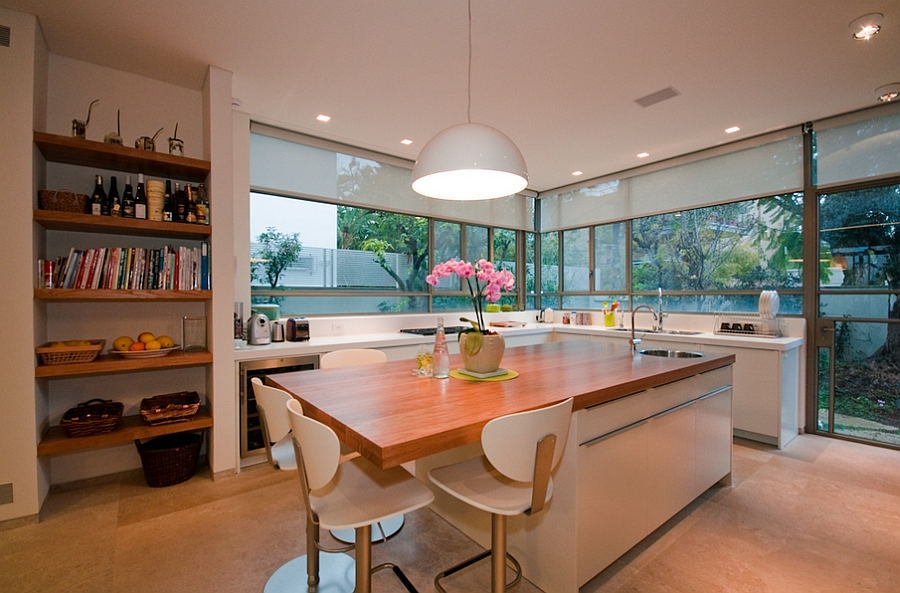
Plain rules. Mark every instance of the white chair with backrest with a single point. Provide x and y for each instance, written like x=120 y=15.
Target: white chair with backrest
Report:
x=351 y=495
x=347 y=358
x=351 y=357
x=276 y=428
x=511 y=478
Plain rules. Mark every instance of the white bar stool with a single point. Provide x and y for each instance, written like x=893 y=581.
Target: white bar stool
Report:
x=512 y=477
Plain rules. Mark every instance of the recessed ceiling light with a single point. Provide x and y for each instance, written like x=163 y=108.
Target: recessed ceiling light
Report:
x=323 y=118
x=643 y=155
x=406 y=141
x=577 y=173
x=866 y=26
x=732 y=130
x=888 y=92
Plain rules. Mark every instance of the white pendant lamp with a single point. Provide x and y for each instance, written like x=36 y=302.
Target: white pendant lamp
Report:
x=469 y=161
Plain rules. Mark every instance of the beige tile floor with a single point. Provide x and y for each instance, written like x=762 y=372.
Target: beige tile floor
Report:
x=821 y=516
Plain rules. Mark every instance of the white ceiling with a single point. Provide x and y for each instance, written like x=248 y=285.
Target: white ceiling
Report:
x=559 y=77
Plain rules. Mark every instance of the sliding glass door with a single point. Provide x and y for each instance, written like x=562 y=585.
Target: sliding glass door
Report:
x=858 y=321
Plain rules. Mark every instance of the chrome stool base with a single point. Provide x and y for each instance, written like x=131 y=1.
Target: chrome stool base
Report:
x=383 y=531
x=337 y=574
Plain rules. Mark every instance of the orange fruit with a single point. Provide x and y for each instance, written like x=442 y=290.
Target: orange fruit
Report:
x=137 y=346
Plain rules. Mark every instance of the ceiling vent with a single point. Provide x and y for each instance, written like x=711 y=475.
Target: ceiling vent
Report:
x=4 y=36
x=657 y=97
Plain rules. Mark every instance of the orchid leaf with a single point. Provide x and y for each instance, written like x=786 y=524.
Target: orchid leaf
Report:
x=473 y=342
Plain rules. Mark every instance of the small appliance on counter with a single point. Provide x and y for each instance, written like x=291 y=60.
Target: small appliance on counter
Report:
x=278 y=331
x=297 y=329
x=258 y=332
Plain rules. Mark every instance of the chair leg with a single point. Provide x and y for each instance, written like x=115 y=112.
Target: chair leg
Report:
x=498 y=555
x=312 y=555
x=364 y=559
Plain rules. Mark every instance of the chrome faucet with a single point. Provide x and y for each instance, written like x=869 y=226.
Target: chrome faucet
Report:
x=635 y=341
x=660 y=314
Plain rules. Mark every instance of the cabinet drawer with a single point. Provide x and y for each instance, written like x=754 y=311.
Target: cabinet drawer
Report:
x=711 y=380
x=670 y=395
x=605 y=418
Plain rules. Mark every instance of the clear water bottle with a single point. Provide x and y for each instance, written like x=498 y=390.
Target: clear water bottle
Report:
x=441 y=356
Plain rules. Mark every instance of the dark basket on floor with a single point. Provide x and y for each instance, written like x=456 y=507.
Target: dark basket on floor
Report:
x=170 y=459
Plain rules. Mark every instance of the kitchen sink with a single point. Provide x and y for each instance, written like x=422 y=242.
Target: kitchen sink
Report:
x=672 y=332
x=671 y=353
x=680 y=332
x=637 y=330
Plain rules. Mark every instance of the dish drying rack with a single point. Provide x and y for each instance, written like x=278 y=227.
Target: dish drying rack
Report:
x=748 y=324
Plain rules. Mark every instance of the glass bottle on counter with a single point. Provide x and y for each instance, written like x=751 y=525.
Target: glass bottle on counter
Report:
x=98 y=198
x=140 y=199
x=115 y=202
x=128 y=199
x=440 y=365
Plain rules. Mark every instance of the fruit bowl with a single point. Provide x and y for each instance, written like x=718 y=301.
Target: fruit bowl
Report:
x=145 y=353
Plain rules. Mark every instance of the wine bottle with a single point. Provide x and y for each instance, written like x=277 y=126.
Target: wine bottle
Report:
x=128 y=199
x=191 y=212
x=140 y=199
x=98 y=198
x=202 y=205
x=440 y=358
x=180 y=204
x=168 y=204
x=115 y=202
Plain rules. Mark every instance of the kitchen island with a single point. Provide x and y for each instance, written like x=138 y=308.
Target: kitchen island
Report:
x=648 y=435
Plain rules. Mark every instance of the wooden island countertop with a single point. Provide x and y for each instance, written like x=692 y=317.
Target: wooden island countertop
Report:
x=392 y=416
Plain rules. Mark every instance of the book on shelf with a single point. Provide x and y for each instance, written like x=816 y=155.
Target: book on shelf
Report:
x=134 y=268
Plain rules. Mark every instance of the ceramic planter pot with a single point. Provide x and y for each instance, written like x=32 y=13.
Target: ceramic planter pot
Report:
x=486 y=360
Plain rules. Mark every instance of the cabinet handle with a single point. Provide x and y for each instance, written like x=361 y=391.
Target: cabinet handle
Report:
x=591 y=407
x=675 y=409
x=712 y=393
x=609 y=435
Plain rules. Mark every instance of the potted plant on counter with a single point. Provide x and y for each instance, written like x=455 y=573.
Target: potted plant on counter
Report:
x=481 y=349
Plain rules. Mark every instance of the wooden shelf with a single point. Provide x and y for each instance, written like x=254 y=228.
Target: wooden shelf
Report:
x=56 y=442
x=83 y=295
x=72 y=221
x=89 y=153
x=111 y=363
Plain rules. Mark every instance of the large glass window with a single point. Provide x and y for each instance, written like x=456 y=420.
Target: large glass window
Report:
x=576 y=260
x=742 y=246
x=609 y=257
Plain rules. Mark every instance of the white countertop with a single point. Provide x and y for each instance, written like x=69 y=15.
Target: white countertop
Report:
x=395 y=338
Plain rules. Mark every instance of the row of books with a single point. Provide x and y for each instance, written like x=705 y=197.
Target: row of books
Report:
x=129 y=268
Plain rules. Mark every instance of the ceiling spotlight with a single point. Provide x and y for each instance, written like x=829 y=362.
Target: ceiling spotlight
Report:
x=888 y=92
x=323 y=118
x=732 y=130
x=577 y=173
x=866 y=26
x=643 y=155
x=406 y=142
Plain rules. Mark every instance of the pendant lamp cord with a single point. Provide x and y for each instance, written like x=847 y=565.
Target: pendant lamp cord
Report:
x=469 y=89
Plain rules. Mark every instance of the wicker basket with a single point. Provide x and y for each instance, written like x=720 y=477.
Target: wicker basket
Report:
x=170 y=407
x=67 y=354
x=170 y=459
x=96 y=416
x=64 y=200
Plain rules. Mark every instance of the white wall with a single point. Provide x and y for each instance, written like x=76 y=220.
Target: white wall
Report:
x=21 y=64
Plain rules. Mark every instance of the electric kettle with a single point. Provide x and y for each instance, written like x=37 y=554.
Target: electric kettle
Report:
x=278 y=331
x=258 y=332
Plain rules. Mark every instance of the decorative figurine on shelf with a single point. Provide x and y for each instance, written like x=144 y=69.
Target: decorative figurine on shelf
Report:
x=78 y=126
x=176 y=146
x=115 y=137
x=146 y=142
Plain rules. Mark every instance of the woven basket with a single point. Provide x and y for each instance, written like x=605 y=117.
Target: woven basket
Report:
x=96 y=416
x=170 y=459
x=66 y=354
x=64 y=200
x=170 y=407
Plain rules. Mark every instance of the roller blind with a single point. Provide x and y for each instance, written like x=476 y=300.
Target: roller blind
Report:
x=713 y=177
x=859 y=146
x=292 y=164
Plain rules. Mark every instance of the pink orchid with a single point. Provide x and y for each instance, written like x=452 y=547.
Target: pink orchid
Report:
x=488 y=282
